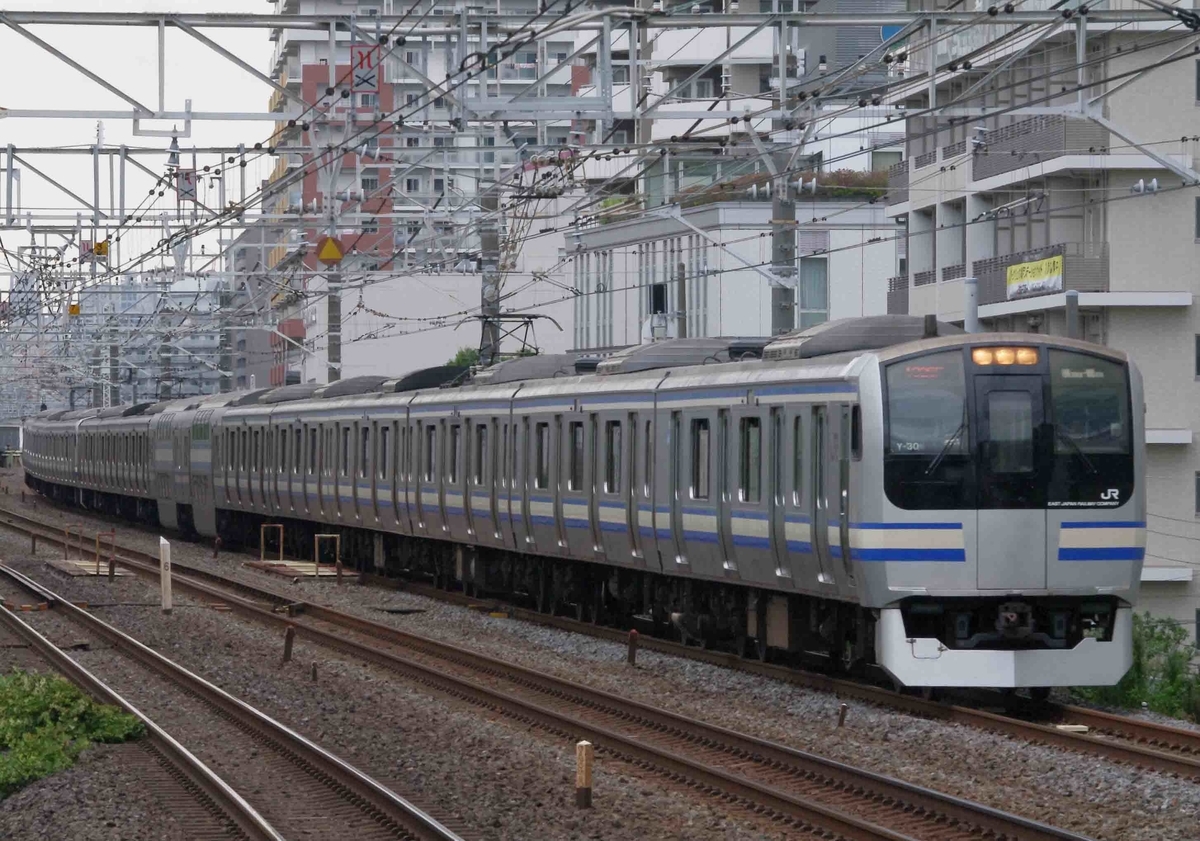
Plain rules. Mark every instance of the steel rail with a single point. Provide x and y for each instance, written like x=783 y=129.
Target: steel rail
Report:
x=358 y=786
x=1182 y=742
x=195 y=774
x=892 y=800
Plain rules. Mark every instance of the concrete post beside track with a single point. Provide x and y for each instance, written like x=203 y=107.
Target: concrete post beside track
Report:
x=164 y=572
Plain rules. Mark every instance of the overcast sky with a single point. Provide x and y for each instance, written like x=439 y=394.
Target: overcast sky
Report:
x=127 y=58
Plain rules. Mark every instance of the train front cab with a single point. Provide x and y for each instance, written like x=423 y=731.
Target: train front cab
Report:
x=1011 y=530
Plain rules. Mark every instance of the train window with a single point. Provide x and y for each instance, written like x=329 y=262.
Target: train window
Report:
x=647 y=460
x=312 y=451
x=612 y=457
x=1010 y=414
x=283 y=453
x=245 y=449
x=364 y=451
x=345 y=450
x=700 y=458
x=750 y=473
x=453 y=455
x=479 y=455
x=430 y=452
x=502 y=447
x=575 y=477
x=256 y=454
x=542 y=474
x=798 y=462
x=856 y=433
x=383 y=453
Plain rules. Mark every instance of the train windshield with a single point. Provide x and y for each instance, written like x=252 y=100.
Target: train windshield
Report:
x=1054 y=431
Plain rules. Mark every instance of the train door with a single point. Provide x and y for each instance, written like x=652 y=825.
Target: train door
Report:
x=577 y=440
x=376 y=467
x=1012 y=481
x=776 y=462
x=849 y=445
x=647 y=514
x=631 y=491
x=526 y=459
x=592 y=485
x=475 y=504
x=674 y=487
x=697 y=492
x=820 y=494
x=726 y=453
x=611 y=499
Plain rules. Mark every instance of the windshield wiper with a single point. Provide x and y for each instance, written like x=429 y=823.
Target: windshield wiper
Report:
x=1069 y=441
x=950 y=442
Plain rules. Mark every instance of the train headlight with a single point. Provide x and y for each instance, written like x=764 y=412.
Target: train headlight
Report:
x=1004 y=356
x=1027 y=356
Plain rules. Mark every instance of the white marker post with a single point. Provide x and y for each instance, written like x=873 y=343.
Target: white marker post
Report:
x=164 y=568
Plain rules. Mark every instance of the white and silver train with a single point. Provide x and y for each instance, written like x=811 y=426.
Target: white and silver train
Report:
x=961 y=510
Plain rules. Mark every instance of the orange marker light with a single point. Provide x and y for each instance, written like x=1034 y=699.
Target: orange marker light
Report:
x=1005 y=356
x=1027 y=356
x=981 y=356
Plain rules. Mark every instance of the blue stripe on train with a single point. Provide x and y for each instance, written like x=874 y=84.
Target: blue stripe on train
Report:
x=1106 y=524
x=1106 y=553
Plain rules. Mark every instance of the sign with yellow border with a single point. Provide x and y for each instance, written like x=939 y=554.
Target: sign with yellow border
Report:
x=1039 y=277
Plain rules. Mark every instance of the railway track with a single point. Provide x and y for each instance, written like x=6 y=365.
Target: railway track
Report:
x=1171 y=750
x=312 y=793
x=752 y=775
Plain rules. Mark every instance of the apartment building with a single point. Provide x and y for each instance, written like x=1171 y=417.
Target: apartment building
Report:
x=1092 y=191
x=406 y=197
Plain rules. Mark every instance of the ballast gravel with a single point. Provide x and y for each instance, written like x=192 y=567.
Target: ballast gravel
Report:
x=1071 y=791
x=104 y=796
x=499 y=778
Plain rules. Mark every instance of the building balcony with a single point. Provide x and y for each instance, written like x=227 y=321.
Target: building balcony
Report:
x=898 y=183
x=924 y=278
x=1033 y=141
x=1085 y=269
x=954 y=272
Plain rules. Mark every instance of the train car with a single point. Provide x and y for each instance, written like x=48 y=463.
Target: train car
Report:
x=959 y=510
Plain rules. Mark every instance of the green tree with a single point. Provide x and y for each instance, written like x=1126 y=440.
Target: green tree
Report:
x=465 y=356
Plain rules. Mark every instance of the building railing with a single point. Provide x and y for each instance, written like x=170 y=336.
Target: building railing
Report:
x=954 y=149
x=897 y=299
x=927 y=159
x=898 y=183
x=954 y=272
x=1035 y=140
x=1085 y=269
x=895 y=284
x=924 y=278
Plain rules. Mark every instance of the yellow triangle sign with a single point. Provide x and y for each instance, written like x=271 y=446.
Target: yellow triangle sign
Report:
x=330 y=251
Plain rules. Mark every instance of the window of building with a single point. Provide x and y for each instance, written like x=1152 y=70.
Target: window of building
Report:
x=440 y=142
x=620 y=72
x=700 y=458
x=439 y=102
x=412 y=142
x=368 y=100
x=452 y=455
x=750 y=473
x=439 y=186
x=814 y=291
x=479 y=455
x=412 y=185
x=575 y=477
x=410 y=99
x=612 y=457
x=542 y=473
x=883 y=161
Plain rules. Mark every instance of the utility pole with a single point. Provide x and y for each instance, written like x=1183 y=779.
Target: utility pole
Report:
x=681 y=299
x=225 y=337
x=783 y=207
x=489 y=248
x=114 y=383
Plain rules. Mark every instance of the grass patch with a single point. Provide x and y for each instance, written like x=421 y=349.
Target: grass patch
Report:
x=46 y=722
x=1162 y=677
